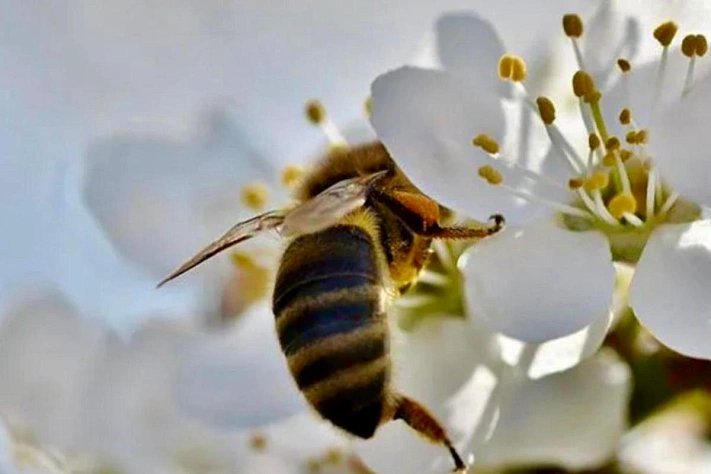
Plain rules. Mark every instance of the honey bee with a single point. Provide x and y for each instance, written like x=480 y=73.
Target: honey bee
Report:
x=358 y=238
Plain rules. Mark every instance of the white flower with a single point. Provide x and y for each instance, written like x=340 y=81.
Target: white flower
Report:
x=497 y=415
x=634 y=195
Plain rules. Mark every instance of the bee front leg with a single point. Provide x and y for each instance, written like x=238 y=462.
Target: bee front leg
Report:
x=421 y=215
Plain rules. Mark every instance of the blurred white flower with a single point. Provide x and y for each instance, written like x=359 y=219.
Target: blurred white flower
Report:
x=497 y=415
x=171 y=399
x=551 y=274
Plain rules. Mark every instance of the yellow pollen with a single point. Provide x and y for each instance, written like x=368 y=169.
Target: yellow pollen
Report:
x=665 y=33
x=486 y=143
x=512 y=68
x=291 y=175
x=315 y=113
x=622 y=204
x=625 y=155
x=642 y=136
x=631 y=137
x=625 y=117
x=573 y=26
x=583 y=84
x=255 y=196
x=593 y=141
x=624 y=65
x=608 y=159
x=242 y=261
x=597 y=181
x=592 y=97
x=576 y=183
x=491 y=175
x=258 y=442
x=546 y=109
x=333 y=456
x=612 y=143
x=368 y=106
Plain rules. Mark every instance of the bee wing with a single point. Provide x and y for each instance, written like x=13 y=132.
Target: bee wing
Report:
x=245 y=230
x=313 y=215
x=329 y=206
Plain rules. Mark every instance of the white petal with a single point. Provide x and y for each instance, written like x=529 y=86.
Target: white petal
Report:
x=557 y=355
x=159 y=199
x=427 y=120
x=669 y=292
x=470 y=47
x=48 y=355
x=681 y=144
x=432 y=363
x=541 y=282
x=571 y=419
x=239 y=378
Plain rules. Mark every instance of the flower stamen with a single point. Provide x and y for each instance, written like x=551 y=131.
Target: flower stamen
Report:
x=692 y=46
x=291 y=175
x=486 y=143
x=492 y=176
x=316 y=115
x=512 y=68
x=573 y=28
x=546 y=110
x=255 y=196
x=664 y=34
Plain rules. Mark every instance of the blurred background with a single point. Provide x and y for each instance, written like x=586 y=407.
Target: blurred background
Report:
x=132 y=134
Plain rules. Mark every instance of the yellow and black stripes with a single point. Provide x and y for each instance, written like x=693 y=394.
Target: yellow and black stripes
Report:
x=329 y=309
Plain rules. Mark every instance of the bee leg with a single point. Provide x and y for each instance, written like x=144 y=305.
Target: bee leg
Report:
x=421 y=214
x=420 y=419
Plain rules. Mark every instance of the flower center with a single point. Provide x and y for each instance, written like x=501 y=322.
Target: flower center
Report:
x=616 y=188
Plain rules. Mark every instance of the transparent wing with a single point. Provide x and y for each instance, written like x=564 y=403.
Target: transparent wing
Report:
x=313 y=215
x=239 y=233
x=329 y=206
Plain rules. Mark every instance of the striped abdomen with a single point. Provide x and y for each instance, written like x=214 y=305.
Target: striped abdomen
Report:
x=331 y=324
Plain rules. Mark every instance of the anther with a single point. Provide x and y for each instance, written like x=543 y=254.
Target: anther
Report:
x=593 y=141
x=631 y=137
x=576 y=183
x=597 y=181
x=315 y=112
x=592 y=97
x=486 y=143
x=546 y=109
x=583 y=84
x=625 y=116
x=609 y=159
x=688 y=46
x=642 y=136
x=368 y=106
x=573 y=25
x=622 y=204
x=291 y=175
x=624 y=65
x=625 y=154
x=512 y=68
x=491 y=175
x=258 y=442
x=665 y=33
x=612 y=144
x=255 y=196
x=333 y=456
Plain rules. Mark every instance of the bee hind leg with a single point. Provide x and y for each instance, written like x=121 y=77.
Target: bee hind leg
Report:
x=422 y=421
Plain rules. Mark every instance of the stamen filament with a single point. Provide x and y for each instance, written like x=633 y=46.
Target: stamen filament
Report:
x=443 y=253
x=688 y=82
x=622 y=173
x=633 y=219
x=599 y=119
x=651 y=190
x=661 y=73
x=434 y=278
x=587 y=200
x=333 y=134
x=564 y=208
x=578 y=55
x=565 y=148
x=671 y=200
x=590 y=127
x=602 y=209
